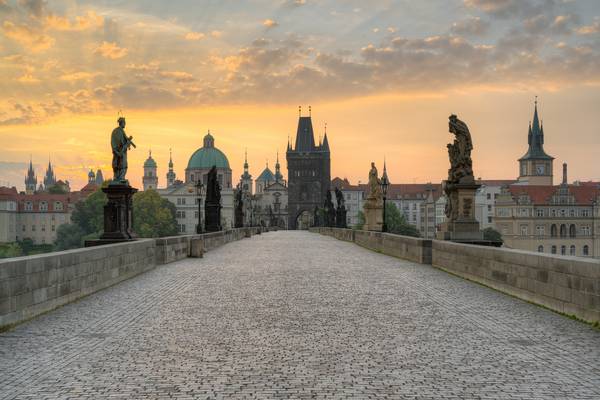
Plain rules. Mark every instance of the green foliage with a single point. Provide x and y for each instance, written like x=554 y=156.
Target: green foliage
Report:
x=57 y=189
x=68 y=236
x=361 y=221
x=89 y=214
x=153 y=215
x=492 y=235
x=396 y=223
x=10 y=250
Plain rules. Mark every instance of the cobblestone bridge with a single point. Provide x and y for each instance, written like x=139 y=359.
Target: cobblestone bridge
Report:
x=298 y=315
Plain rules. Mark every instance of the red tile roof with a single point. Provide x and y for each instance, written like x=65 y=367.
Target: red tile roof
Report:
x=584 y=195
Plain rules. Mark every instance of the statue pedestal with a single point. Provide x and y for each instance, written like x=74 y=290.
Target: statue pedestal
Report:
x=462 y=226
x=212 y=217
x=373 y=216
x=118 y=216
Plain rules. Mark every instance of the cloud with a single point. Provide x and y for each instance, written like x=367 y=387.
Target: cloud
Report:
x=110 y=50
x=28 y=78
x=27 y=36
x=78 y=76
x=474 y=26
x=216 y=34
x=294 y=3
x=500 y=8
x=88 y=21
x=35 y=7
x=178 y=76
x=194 y=36
x=269 y=24
x=590 y=29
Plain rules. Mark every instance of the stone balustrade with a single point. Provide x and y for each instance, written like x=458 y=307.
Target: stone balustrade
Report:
x=569 y=285
x=32 y=285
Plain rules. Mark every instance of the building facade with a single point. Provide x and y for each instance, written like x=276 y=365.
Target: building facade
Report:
x=150 y=178
x=309 y=175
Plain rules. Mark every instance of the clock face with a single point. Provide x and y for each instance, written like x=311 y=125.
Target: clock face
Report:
x=540 y=169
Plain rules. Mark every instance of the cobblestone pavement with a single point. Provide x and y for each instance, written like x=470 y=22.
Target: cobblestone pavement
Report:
x=298 y=315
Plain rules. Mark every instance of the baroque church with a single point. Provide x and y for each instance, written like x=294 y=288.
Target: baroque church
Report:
x=309 y=174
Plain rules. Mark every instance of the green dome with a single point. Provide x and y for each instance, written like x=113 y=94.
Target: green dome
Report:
x=208 y=156
x=150 y=163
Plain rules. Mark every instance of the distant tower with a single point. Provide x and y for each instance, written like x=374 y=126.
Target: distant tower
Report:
x=170 y=175
x=309 y=174
x=264 y=179
x=246 y=178
x=535 y=167
x=50 y=177
x=91 y=176
x=30 y=179
x=278 y=176
x=150 y=179
x=99 y=178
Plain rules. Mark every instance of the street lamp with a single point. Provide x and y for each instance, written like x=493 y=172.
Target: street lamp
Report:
x=199 y=187
x=384 y=187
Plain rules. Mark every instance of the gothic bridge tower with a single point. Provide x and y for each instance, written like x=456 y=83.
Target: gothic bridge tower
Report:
x=309 y=174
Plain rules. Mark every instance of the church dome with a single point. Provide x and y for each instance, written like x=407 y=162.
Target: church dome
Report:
x=208 y=155
x=150 y=163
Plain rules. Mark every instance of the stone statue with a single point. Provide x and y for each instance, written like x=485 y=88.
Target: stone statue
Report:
x=239 y=209
x=120 y=144
x=340 y=213
x=212 y=204
x=375 y=195
x=329 y=210
x=459 y=152
x=316 y=219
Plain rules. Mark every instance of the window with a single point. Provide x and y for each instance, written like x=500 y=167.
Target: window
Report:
x=43 y=228
x=585 y=213
x=43 y=206
x=192 y=177
x=28 y=206
x=523 y=230
x=572 y=231
x=563 y=230
x=489 y=207
x=586 y=250
x=53 y=228
x=553 y=249
x=553 y=231
x=553 y=213
x=489 y=196
x=540 y=249
x=178 y=201
x=585 y=230
x=563 y=212
x=563 y=250
x=540 y=230
x=33 y=228
x=495 y=196
x=489 y=220
x=183 y=201
x=572 y=250
x=571 y=212
x=539 y=212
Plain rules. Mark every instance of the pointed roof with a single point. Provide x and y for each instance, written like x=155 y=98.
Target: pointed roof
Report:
x=266 y=175
x=535 y=139
x=305 y=137
x=150 y=163
x=170 y=159
x=246 y=175
x=278 y=176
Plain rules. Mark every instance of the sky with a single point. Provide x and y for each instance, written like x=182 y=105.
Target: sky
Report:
x=383 y=75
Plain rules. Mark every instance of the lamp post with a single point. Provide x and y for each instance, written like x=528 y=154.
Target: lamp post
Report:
x=199 y=187
x=384 y=187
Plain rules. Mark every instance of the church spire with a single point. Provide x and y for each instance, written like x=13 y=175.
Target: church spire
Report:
x=325 y=145
x=535 y=138
x=305 y=137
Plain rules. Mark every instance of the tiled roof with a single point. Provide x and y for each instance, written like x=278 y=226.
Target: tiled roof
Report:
x=8 y=193
x=496 y=182
x=584 y=195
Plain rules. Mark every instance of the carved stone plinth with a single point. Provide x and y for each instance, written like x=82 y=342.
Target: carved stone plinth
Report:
x=373 y=217
x=212 y=217
x=118 y=216
x=461 y=226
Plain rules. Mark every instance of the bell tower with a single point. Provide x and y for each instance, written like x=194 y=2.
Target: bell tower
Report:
x=536 y=167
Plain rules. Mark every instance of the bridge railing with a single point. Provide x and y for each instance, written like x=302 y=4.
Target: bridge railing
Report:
x=570 y=285
x=32 y=285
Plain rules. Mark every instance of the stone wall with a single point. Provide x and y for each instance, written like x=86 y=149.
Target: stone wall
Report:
x=30 y=286
x=570 y=285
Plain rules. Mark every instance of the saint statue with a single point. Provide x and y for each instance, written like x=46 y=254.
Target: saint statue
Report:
x=375 y=193
x=120 y=144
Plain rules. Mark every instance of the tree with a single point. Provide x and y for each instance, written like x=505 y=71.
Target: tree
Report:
x=396 y=223
x=153 y=215
x=57 y=189
x=10 y=250
x=492 y=235
x=68 y=236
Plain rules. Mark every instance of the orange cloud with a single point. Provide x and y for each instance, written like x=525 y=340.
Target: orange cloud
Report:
x=111 y=50
x=87 y=21
x=78 y=76
x=194 y=36
x=269 y=23
x=27 y=37
x=28 y=78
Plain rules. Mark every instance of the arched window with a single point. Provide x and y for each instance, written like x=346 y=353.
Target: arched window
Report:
x=540 y=249
x=553 y=249
x=572 y=250
x=572 y=230
x=553 y=230
x=586 y=250
x=563 y=230
x=563 y=250
x=191 y=177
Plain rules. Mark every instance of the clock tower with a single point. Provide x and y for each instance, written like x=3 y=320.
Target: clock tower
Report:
x=535 y=167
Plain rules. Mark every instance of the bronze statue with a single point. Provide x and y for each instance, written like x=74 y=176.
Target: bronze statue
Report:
x=212 y=204
x=120 y=144
x=339 y=197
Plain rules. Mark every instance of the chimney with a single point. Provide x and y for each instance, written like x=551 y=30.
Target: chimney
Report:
x=564 y=181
